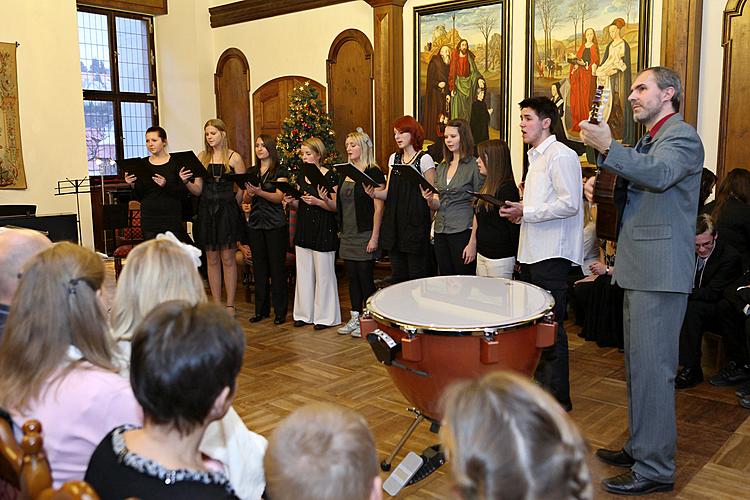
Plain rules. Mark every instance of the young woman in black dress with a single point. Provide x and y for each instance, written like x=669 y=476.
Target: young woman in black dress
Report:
x=359 y=224
x=161 y=196
x=268 y=232
x=405 y=231
x=316 y=297
x=496 y=237
x=220 y=223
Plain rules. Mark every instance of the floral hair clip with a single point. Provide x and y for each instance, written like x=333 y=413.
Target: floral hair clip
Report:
x=190 y=250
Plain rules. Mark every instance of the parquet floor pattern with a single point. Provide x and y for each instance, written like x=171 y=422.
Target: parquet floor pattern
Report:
x=287 y=367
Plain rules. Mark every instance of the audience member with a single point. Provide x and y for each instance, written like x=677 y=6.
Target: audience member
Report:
x=56 y=359
x=183 y=370
x=731 y=212
x=708 y=181
x=16 y=247
x=505 y=438
x=733 y=314
x=325 y=452
x=162 y=270
x=716 y=266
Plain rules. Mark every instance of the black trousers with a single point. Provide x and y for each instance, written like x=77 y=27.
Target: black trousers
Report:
x=735 y=329
x=552 y=372
x=269 y=259
x=699 y=317
x=449 y=249
x=361 y=281
x=408 y=266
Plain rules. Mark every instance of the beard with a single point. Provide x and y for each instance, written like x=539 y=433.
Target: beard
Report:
x=446 y=59
x=645 y=115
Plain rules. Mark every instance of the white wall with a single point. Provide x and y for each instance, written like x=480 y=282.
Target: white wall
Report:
x=712 y=69
x=50 y=104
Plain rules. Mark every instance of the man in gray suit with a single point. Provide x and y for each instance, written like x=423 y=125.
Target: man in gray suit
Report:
x=655 y=260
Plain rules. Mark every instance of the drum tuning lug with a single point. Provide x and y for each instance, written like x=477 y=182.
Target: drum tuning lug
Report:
x=489 y=333
x=549 y=317
x=411 y=332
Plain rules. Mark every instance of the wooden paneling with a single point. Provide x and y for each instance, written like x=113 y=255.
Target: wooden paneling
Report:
x=349 y=71
x=271 y=102
x=681 y=48
x=389 y=72
x=232 y=88
x=734 y=133
x=250 y=10
x=153 y=7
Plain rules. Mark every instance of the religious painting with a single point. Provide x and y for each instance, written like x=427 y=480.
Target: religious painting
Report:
x=460 y=67
x=12 y=175
x=575 y=46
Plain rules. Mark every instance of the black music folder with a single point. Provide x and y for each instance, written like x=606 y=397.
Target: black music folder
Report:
x=287 y=188
x=316 y=178
x=488 y=198
x=135 y=166
x=189 y=161
x=355 y=174
x=411 y=174
x=241 y=179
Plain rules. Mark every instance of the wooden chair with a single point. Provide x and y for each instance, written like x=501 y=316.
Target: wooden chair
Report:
x=25 y=467
x=126 y=239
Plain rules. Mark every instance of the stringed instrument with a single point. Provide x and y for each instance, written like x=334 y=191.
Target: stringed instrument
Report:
x=610 y=190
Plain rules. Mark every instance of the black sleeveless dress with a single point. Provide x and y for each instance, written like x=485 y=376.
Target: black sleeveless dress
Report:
x=220 y=223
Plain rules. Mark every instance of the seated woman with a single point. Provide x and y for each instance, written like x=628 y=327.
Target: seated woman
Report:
x=184 y=365
x=56 y=359
x=505 y=438
x=158 y=271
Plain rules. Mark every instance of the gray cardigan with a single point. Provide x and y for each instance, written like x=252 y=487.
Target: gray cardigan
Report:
x=456 y=213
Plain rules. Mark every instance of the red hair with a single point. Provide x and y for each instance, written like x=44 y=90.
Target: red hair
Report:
x=408 y=125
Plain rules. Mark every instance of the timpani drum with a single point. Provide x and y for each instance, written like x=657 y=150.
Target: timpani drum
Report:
x=434 y=331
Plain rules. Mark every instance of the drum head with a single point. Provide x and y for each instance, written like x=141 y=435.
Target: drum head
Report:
x=460 y=304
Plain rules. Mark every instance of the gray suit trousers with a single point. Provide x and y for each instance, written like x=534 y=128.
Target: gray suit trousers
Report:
x=652 y=340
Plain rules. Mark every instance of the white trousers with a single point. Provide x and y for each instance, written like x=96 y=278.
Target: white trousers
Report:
x=495 y=268
x=316 y=297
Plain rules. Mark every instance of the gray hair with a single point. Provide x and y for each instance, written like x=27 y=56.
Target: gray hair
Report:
x=666 y=77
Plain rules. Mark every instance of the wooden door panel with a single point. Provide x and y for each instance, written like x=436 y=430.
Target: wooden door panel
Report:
x=271 y=102
x=232 y=87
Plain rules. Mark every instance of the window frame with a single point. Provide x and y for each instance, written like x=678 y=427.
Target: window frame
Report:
x=115 y=96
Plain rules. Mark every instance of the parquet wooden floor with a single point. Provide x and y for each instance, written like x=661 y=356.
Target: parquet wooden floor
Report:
x=286 y=367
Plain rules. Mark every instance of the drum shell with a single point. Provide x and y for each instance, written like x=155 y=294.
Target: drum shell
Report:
x=434 y=361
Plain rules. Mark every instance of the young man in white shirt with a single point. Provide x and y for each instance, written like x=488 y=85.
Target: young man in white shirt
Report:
x=551 y=218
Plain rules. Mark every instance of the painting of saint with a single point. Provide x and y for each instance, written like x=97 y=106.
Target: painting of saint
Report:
x=437 y=92
x=461 y=67
x=582 y=68
x=462 y=79
x=576 y=45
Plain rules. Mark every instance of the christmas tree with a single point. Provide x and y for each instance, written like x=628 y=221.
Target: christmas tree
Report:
x=306 y=119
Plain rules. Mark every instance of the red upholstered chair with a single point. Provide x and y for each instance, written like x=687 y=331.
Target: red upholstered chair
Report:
x=25 y=467
x=128 y=237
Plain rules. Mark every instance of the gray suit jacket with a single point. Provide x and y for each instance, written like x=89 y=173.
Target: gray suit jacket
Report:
x=656 y=246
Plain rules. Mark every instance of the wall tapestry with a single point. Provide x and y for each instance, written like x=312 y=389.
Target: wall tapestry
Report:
x=12 y=175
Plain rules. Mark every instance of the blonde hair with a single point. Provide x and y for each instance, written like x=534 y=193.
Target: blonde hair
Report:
x=316 y=146
x=364 y=142
x=507 y=438
x=208 y=152
x=321 y=451
x=156 y=271
x=55 y=307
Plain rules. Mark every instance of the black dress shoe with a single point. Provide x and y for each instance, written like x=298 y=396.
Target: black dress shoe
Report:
x=618 y=458
x=279 y=320
x=298 y=323
x=257 y=317
x=732 y=374
x=745 y=402
x=688 y=377
x=633 y=484
x=321 y=327
x=743 y=391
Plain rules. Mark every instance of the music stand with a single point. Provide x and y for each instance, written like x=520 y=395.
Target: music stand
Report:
x=76 y=187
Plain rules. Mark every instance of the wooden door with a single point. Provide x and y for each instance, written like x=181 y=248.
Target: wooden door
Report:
x=232 y=88
x=271 y=102
x=350 y=85
x=734 y=132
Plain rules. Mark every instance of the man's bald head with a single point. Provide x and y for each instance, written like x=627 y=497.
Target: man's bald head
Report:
x=16 y=247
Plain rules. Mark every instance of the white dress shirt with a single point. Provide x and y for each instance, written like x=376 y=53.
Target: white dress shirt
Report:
x=552 y=224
